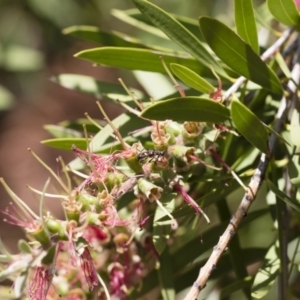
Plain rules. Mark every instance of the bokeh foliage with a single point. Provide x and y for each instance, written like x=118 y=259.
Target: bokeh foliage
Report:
x=252 y=267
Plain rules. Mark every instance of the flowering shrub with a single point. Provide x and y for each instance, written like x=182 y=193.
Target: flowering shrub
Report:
x=139 y=195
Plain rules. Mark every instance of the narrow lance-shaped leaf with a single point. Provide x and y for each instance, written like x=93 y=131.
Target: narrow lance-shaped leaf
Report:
x=238 y=55
x=266 y=275
x=189 y=23
x=294 y=170
x=249 y=125
x=295 y=128
x=245 y=22
x=162 y=229
x=188 y=109
x=281 y=195
x=62 y=132
x=96 y=35
x=140 y=59
x=93 y=87
x=192 y=79
x=165 y=276
x=178 y=34
x=66 y=143
x=263 y=16
x=285 y=11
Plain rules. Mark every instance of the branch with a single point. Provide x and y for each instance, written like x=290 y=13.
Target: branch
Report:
x=248 y=198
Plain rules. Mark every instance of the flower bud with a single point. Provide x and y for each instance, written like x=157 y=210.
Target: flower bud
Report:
x=88 y=202
x=56 y=227
x=41 y=235
x=149 y=190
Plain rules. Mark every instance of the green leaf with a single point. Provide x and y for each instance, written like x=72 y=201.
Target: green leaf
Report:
x=61 y=132
x=98 y=89
x=140 y=59
x=263 y=16
x=238 y=55
x=189 y=23
x=289 y=201
x=235 y=286
x=66 y=143
x=285 y=11
x=266 y=275
x=162 y=229
x=192 y=79
x=295 y=128
x=245 y=23
x=294 y=170
x=24 y=247
x=249 y=126
x=96 y=35
x=178 y=34
x=165 y=277
x=138 y=23
x=192 y=109
x=77 y=125
x=125 y=123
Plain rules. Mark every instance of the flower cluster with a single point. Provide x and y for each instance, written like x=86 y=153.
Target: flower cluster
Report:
x=99 y=246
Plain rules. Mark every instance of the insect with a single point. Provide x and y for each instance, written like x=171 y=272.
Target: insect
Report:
x=151 y=155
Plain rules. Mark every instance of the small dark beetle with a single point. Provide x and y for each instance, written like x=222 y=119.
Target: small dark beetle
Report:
x=151 y=155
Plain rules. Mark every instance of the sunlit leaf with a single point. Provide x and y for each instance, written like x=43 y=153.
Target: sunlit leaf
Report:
x=125 y=123
x=188 y=109
x=162 y=229
x=189 y=23
x=238 y=55
x=295 y=128
x=285 y=11
x=66 y=143
x=178 y=34
x=105 y=38
x=249 y=126
x=62 y=132
x=140 y=59
x=245 y=23
x=146 y=26
x=263 y=16
x=93 y=87
x=266 y=275
x=192 y=79
x=236 y=286
x=77 y=125
x=283 y=65
x=294 y=170
x=289 y=201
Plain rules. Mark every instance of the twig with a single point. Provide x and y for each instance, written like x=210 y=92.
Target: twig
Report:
x=248 y=198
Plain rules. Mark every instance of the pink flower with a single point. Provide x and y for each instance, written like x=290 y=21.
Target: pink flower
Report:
x=187 y=198
x=93 y=233
x=117 y=280
x=88 y=268
x=40 y=283
x=297 y=2
x=126 y=275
